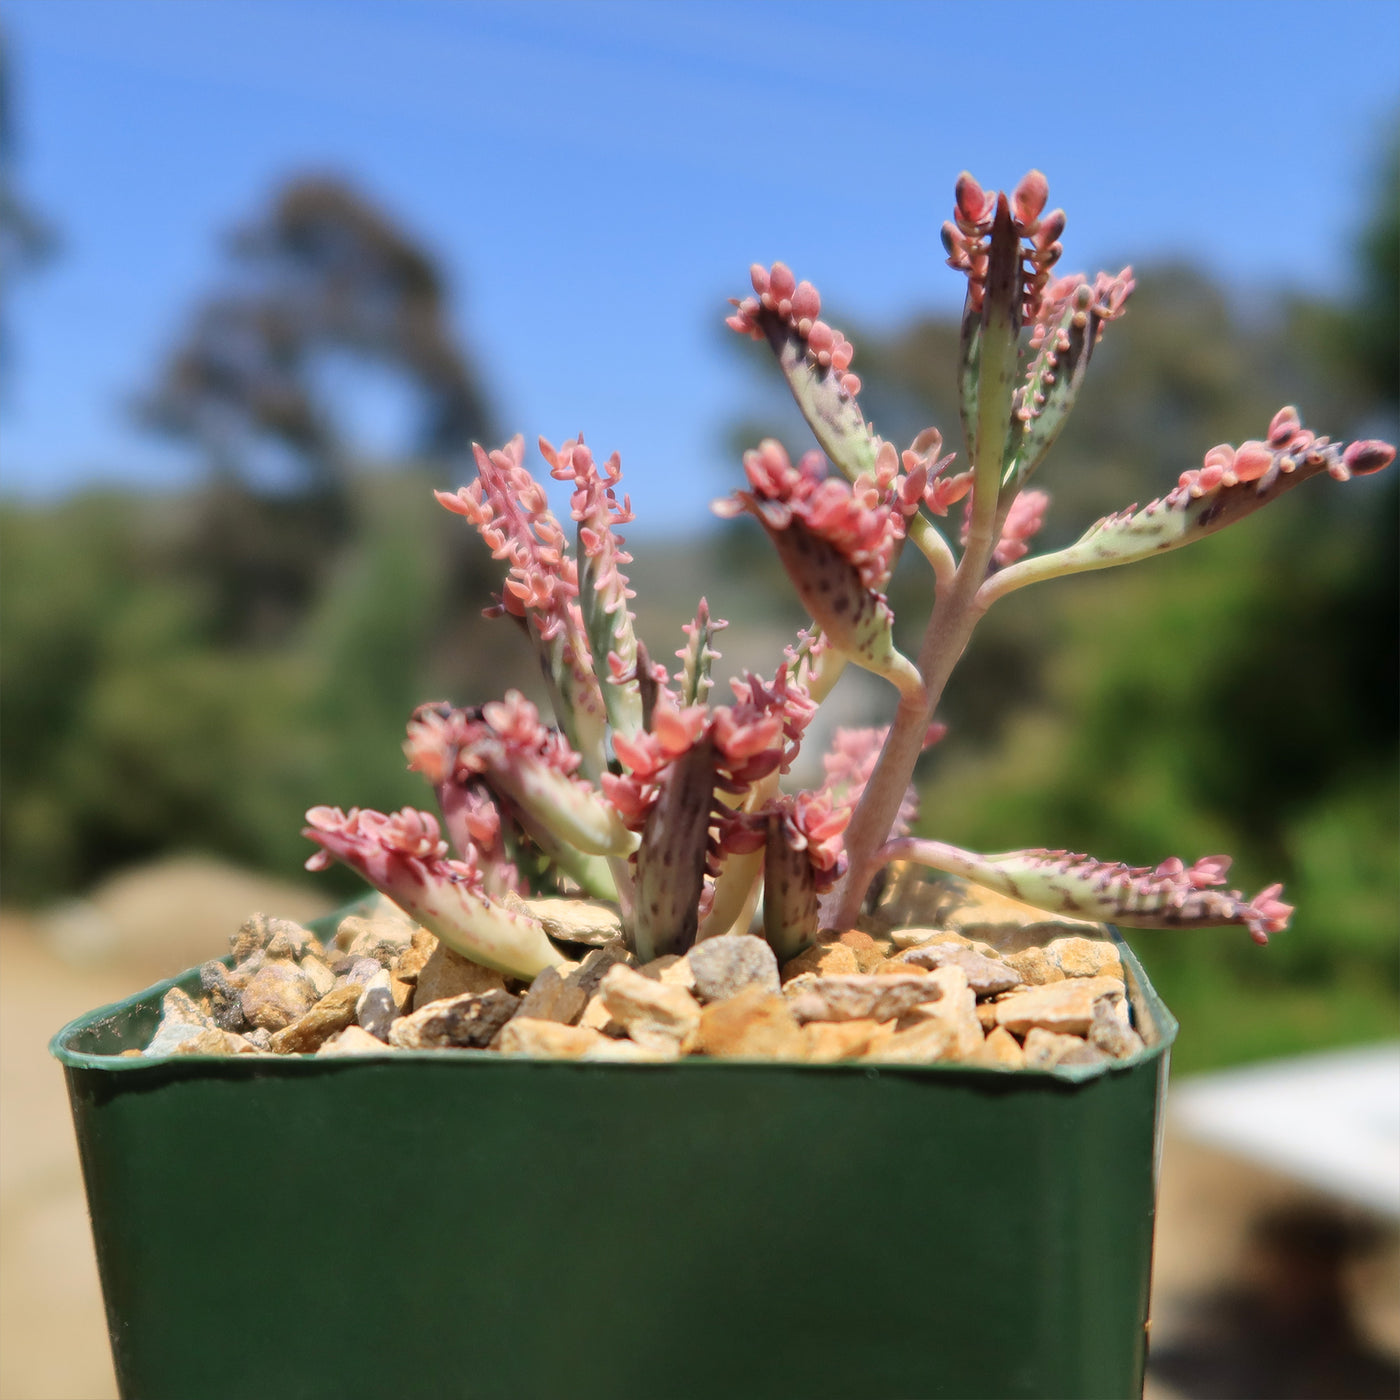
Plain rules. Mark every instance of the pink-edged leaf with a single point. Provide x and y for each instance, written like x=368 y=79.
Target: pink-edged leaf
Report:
x=1171 y=895
x=403 y=856
x=815 y=360
x=603 y=591
x=511 y=512
x=1231 y=484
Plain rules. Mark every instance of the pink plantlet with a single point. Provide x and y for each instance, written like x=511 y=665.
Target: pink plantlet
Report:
x=511 y=513
x=1024 y=518
x=785 y=698
x=796 y=306
x=838 y=544
x=530 y=766
x=1029 y=200
x=698 y=655
x=472 y=817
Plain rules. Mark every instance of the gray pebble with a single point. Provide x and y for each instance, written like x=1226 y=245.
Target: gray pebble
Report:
x=727 y=965
x=225 y=1002
x=986 y=976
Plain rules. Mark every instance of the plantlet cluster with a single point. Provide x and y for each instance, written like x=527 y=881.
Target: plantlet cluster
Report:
x=650 y=793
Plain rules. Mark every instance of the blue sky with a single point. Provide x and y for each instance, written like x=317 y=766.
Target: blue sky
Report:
x=598 y=177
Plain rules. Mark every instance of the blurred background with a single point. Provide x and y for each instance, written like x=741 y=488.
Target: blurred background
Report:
x=268 y=270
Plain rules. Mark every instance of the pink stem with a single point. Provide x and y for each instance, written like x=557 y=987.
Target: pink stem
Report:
x=955 y=614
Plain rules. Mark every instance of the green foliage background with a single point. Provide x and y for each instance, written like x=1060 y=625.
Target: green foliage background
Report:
x=1239 y=696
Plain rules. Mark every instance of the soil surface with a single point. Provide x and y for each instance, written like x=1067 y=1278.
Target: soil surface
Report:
x=1250 y=1266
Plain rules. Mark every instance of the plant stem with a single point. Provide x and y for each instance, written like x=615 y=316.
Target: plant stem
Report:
x=955 y=614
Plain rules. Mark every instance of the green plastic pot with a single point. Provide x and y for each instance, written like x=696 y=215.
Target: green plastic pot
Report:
x=460 y=1224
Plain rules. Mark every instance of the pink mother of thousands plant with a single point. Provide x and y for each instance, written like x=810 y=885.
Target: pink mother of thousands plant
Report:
x=667 y=803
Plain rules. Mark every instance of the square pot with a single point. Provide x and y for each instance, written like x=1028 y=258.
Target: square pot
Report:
x=463 y=1224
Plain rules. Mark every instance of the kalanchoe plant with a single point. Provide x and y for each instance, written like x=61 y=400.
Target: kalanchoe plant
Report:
x=656 y=797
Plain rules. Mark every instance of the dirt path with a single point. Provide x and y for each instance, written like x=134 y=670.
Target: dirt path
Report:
x=142 y=926
x=53 y=1340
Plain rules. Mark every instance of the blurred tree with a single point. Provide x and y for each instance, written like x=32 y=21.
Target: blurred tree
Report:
x=320 y=288
x=196 y=670
x=26 y=238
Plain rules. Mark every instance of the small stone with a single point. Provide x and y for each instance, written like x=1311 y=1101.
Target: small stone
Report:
x=1000 y=1050
x=1034 y=967
x=905 y=938
x=353 y=1040
x=411 y=962
x=829 y=1041
x=210 y=1041
x=869 y=953
x=224 y=1004
x=986 y=976
x=1085 y=1054
x=942 y=1029
x=1046 y=1049
x=673 y=970
x=332 y=1013
x=755 y=1025
x=470 y=1021
x=401 y=991
x=241 y=973
x=259 y=1037
x=656 y=1016
x=589 y=974
x=257 y=932
x=731 y=963
x=865 y=997
x=378 y=939
x=278 y=994
x=823 y=959
x=447 y=974
x=170 y=1035
x=381 y=921
x=897 y=967
x=923 y=1044
x=553 y=998
x=281 y=948
x=359 y=971
x=318 y=974
x=551 y=1040
x=986 y=1014
x=802 y=983
x=375 y=1008
x=597 y=1017
x=1085 y=957
x=1066 y=1006
x=574 y=920
x=1110 y=1030
x=293 y=935
x=179 y=1006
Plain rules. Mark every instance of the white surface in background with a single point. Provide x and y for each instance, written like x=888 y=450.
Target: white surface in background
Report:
x=1331 y=1120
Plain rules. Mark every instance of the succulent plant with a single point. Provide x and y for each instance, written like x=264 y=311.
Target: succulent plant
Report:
x=654 y=796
